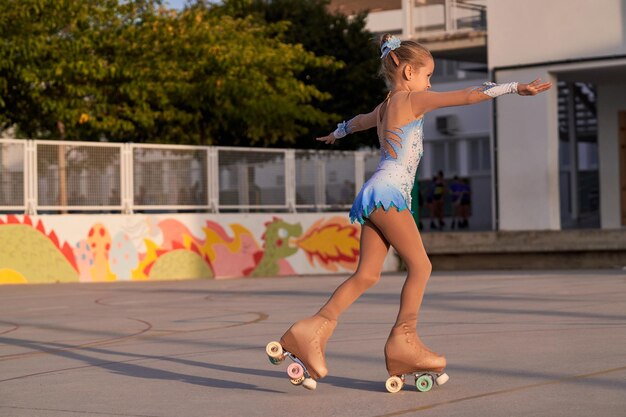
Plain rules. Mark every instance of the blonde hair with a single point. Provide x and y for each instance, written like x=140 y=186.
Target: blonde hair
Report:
x=409 y=52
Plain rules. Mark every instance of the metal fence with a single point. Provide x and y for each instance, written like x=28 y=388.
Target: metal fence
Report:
x=80 y=176
x=13 y=184
x=38 y=176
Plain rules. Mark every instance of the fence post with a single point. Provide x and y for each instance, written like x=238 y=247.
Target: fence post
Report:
x=25 y=180
x=213 y=181
x=30 y=177
x=62 y=176
x=126 y=178
x=209 y=178
x=290 y=180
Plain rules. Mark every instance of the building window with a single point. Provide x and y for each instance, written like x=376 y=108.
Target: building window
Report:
x=480 y=155
x=439 y=157
x=453 y=164
x=445 y=157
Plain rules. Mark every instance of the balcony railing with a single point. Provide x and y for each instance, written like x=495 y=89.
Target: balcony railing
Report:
x=425 y=18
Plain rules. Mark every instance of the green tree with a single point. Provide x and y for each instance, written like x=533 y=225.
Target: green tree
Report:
x=241 y=81
x=135 y=71
x=54 y=69
x=355 y=87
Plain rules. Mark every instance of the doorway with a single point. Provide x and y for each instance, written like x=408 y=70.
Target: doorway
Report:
x=579 y=180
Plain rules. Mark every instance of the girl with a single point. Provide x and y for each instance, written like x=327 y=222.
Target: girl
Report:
x=383 y=209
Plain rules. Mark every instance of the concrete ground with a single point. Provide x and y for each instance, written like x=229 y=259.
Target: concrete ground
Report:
x=517 y=344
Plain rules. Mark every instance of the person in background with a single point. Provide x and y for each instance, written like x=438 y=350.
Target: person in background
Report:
x=438 y=200
x=455 y=188
x=430 y=198
x=465 y=203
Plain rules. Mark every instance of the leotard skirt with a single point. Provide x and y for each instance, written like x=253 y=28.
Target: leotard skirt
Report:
x=376 y=193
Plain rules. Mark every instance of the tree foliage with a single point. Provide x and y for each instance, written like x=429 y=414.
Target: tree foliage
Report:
x=135 y=71
x=355 y=86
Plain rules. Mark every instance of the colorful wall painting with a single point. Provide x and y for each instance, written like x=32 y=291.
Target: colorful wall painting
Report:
x=114 y=247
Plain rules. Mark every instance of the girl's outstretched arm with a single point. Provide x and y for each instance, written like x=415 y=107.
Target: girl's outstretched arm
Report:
x=356 y=124
x=425 y=101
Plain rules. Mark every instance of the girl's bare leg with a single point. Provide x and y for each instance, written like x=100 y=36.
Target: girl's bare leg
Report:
x=373 y=251
x=404 y=352
x=307 y=338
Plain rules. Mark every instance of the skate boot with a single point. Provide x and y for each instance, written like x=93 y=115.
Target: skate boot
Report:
x=405 y=354
x=305 y=344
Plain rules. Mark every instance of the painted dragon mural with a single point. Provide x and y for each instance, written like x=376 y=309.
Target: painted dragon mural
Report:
x=30 y=254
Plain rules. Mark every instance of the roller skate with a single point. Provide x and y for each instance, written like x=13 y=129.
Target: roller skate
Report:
x=304 y=343
x=406 y=355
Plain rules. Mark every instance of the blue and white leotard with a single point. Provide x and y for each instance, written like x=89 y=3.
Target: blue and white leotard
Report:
x=390 y=186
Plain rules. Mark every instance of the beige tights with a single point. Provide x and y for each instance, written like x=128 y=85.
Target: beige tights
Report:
x=307 y=338
x=373 y=251
x=379 y=231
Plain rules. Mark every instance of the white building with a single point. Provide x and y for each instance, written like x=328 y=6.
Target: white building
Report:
x=558 y=40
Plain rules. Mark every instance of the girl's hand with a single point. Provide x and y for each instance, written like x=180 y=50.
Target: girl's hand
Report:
x=533 y=88
x=329 y=140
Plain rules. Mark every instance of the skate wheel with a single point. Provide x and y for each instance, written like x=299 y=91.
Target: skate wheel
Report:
x=442 y=379
x=394 y=384
x=424 y=383
x=274 y=350
x=309 y=383
x=297 y=381
x=295 y=371
x=276 y=361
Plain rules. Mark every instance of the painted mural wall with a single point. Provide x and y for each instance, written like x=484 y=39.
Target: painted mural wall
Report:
x=100 y=248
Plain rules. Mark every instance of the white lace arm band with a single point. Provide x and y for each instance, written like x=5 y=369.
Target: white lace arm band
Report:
x=494 y=90
x=342 y=130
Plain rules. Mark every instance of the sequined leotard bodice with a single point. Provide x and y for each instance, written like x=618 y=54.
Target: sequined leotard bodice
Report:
x=390 y=186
